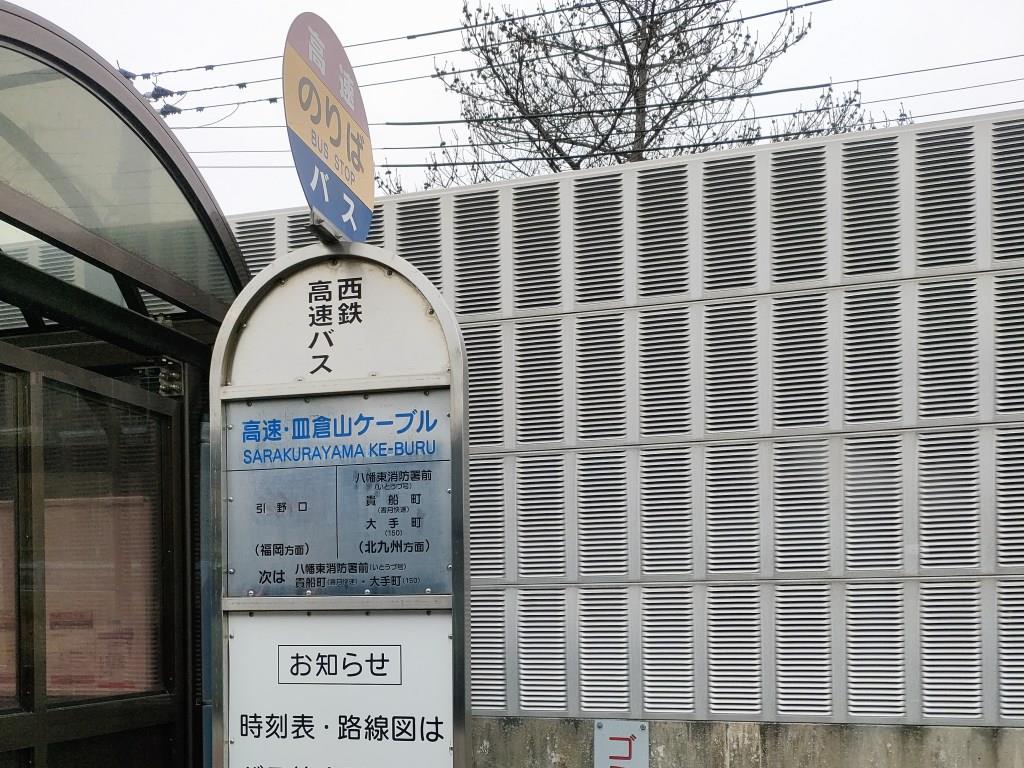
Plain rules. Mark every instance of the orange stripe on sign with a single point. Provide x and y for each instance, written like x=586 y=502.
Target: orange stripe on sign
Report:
x=323 y=124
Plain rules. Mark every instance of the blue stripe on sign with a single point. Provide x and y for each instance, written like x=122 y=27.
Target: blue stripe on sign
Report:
x=312 y=169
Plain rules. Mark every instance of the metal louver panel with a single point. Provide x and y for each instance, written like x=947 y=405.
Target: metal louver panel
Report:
x=57 y=263
x=666 y=511
x=730 y=231
x=1010 y=498
x=872 y=355
x=601 y=514
x=732 y=504
x=597 y=226
x=418 y=236
x=876 y=650
x=298 y=231
x=1009 y=337
x=667 y=648
x=477 y=253
x=604 y=650
x=734 y=648
x=487 y=650
x=539 y=369
x=10 y=316
x=1008 y=190
x=1010 y=631
x=484 y=392
x=949 y=499
x=257 y=240
x=536 y=238
x=951 y=669
x=16 y=252
x=664 y=352
x=798 y=215
x=156 y=306
x=800 y=361
x=676 y=458
x=948 y=375
x=601 y=376
x=542 y=652
x=540 y=515
x=803 y=649
x=871 y=206
x=376 y=234
x=662 y=255
x=945 y=197
x=801 y=504
x=730 y=366
x=873 y=502
x=486 y=517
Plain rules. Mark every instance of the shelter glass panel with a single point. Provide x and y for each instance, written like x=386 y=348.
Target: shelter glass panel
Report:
x=103 y=496
x=62 y=147
x=56 y=262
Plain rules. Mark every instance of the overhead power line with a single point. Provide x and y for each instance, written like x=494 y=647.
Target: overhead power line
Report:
x=160 y=92
x=706 y=100
x=207 y=67
x=838 y=82
x=468 y=70
x=738 y=119
x=770 y=137
x=946 y=90
x=226 y=127
x=710 y=99
x=723 y=23
x=527 y=159
x=397 y=38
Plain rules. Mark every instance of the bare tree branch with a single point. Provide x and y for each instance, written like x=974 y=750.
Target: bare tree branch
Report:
x=615 y=82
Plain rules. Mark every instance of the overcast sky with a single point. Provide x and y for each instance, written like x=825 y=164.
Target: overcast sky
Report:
x=848 y=39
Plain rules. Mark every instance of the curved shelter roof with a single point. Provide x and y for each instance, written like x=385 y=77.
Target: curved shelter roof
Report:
x=98 y=194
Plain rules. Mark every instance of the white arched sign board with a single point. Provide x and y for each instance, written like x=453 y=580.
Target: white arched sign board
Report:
x=338 y=476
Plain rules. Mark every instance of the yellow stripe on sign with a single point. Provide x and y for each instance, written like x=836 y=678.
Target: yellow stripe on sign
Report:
x=336 y=137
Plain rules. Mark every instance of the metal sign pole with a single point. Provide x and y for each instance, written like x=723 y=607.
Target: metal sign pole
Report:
x=338 y=475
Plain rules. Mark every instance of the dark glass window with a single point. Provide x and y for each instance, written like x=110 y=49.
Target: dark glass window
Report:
x=102 y=467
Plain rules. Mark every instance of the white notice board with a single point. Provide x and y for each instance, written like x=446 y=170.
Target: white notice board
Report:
x=339 y=690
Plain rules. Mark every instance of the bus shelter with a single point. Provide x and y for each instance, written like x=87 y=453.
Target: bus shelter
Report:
x=116 y=269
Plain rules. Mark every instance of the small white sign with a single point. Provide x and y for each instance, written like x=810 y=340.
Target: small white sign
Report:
x=621 y=744
x=339 y=664
x=328 y=690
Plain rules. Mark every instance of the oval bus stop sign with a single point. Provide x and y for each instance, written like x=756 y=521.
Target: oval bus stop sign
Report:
x=327 y=128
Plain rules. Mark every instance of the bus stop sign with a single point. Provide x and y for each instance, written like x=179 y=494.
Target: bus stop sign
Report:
x=327 y=129
x=338 y=479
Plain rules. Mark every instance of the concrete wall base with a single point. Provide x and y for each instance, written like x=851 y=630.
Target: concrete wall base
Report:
x=509 y=742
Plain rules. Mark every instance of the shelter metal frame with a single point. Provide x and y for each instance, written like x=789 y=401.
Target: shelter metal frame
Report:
x=39 y=723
